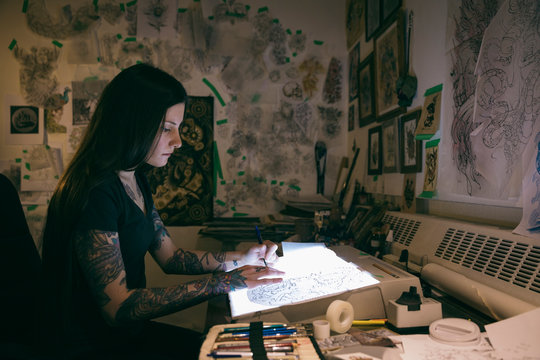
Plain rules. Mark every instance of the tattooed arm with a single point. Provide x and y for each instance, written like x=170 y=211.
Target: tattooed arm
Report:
x=175 y=260
x=99 y=254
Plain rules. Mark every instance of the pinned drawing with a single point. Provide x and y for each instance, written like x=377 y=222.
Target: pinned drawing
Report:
x=333 y=83
x=85 y=97
x=24 y=123
x=431 y=168
x=431 y=114
x=156 y=18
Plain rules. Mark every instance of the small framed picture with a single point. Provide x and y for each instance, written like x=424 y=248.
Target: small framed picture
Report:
x=375 y=158
x=366 y=91
x=389 y=9
x=390 y=145
x=389 y=66
x=373 y=17
x=410 y=149
x=354 y=62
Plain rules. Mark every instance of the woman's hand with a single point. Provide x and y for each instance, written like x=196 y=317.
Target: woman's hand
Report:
x=266 y=251
x=249 y=276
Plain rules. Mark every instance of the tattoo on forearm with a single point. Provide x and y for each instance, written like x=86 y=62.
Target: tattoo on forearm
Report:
x=100 y=258
x=150 y=303
x=186 y=262
x=160 y=231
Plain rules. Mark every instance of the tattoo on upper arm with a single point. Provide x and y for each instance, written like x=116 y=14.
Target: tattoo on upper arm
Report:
x=101 y=260
x=160 y=231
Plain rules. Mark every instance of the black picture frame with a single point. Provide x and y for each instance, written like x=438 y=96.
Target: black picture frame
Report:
x=390 y=146
x=410 y=149
x=389 y=10
x=375 y=158
x=366 y=91
x=373 y=18
x=354 y=62
x=389 y=67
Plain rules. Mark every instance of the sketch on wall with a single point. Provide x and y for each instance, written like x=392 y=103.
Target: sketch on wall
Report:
x=276 y=87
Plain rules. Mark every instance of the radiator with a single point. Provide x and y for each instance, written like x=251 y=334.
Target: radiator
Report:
x=489 y=268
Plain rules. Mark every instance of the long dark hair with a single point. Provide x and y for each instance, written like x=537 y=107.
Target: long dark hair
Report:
x=120 y=136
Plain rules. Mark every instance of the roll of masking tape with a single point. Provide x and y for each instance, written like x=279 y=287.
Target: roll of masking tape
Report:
x=340 y=315
x=321 y=329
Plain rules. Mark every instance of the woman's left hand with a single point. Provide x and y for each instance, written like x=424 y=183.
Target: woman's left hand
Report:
x=266 y=250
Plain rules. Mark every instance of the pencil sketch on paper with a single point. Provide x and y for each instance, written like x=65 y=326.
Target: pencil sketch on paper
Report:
x=506 y=98
x=85 y=98
x=308 y=286
x=470 y=20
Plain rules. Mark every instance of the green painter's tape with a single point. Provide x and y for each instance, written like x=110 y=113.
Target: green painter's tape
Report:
x=281 y=183
x=220 y=202
x=273 y=182
x=27 y=165
x=433 y=90
x=432 y=143
x=223 y=182
x=12 y=44
x=182 y=10
x=423 y=136
x=288 y=31
x=122 y=7
x=119 y=36
x=427 y=194
x=241 y=173
x=375 y=178
x=131 y=3
x=25 y=6
x=26 y=177
x=57 y=43
x=130 y=39
x=295 y=187
x=262 y=9
x=214 y=90
x=240 y=214
x=255 y=98
x=318 y=42
x=96 y=7
x=18 y=160
x=91 y=78
x=221 y=122
x=31 y=207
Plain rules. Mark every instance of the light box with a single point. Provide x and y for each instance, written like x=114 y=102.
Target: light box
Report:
x=312 y=271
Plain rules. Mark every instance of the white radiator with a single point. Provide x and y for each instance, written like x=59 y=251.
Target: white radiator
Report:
x=489 y=268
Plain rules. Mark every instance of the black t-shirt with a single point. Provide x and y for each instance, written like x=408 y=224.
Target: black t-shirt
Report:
x=109 y=208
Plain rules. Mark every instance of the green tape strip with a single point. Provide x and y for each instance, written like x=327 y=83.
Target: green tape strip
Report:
x=432 y=143
x=18 y=160
x=433 y=90
x=12 y=44
x=27 y=165
x=256 y=98
x=248 y=7
x=275 y=21
x=295 y=187
x=131 y=3
x=122 y=7
x=375 y=178
x=182 y=10
x=288 y=31
x=281 y=183
x=118 y=36
x=129 y=39
x=262 y=9
x=25 y=6
x=214 y=90
x=96 y=7
x=221 y=122
x=26 y=177
x=318 y=42
x=427 y=194
x=220 y=202
x=31 y=207
x=273 y=182
x=423 y=136
x=241 y=173
x=298 y=32
x=233 y=208
x=91 y=78
x=223 y=182
x=240 y=214
x=57 y=43
x=25 y=151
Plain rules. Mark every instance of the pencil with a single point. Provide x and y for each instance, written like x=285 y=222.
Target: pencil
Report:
x=259 y=237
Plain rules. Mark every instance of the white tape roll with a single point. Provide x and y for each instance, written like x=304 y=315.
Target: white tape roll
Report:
x=340 y=315
x=321 y=329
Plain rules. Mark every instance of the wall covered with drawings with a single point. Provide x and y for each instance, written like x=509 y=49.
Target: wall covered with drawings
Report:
x=272 y=71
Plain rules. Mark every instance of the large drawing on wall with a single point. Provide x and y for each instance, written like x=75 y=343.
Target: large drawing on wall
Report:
x=183 y=189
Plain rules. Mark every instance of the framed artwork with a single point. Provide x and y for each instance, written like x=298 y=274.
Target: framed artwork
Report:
x=410 y=149
x=356 y=17
x=373 y=17
x=389 y=66
x=390 y=145
x=353 y=114
x=389 y=9
x=366 y=91
x=354 y=62
x=375 y=158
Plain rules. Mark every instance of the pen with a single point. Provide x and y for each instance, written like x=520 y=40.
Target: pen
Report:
x=369 y=322
x=385 y=270
x=259 y=237
x=240 y=328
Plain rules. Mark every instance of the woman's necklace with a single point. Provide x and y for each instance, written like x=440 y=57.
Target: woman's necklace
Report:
x=132 y=188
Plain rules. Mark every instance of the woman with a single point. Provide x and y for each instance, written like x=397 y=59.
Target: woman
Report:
x=101 y=222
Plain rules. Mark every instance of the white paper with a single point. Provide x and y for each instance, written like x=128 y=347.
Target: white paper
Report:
x=517 y=337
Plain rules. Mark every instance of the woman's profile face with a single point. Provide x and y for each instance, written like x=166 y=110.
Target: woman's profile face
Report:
x=169 y=138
